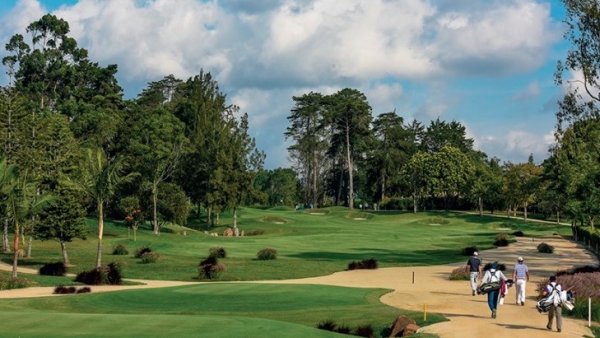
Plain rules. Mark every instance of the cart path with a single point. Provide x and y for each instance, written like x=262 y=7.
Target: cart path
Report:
x=468 y=315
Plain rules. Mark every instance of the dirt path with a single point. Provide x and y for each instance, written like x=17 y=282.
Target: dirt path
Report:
x=469 y=315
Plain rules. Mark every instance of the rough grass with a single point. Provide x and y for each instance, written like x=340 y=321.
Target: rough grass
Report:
x=216 y=310
x=307 y=246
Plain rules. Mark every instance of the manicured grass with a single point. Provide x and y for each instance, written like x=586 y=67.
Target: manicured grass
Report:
x=40 y=280
x=309 y=243
x=215 y=310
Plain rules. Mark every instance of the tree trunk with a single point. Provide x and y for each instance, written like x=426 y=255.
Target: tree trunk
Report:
x=100 y=233
x=382 y=187
x=29 y=245
x=218 y=214
x=415 y=203
x=350 y=173
x=557 y=217
x=514 y=210
x=525 y=211
x=155 y=229
x=480 y=206
x=16 y=253
x=135 y=233
x=314 y=181
x=209 y=217
x=235 y=217
x=340 y=185
x=63 y=248
x=5 y=243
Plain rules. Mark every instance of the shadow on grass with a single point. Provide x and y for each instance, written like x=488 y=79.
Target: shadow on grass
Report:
x=421 y=257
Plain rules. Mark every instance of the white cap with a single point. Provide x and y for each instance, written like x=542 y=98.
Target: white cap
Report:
x=475 y=253
x=520 y=259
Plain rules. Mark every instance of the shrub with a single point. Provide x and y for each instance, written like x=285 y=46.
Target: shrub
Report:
x=149 y=257
x=8 y=283
x=210 y=268
x=140 y=251
x=120 y=249
x=370 y=264
x=92 y=277
x=365 y=331
x=328 y=325
x=581 y=309
x=266 y=254
x=63 y=290
x=468 y=251
x=501 y=240
x=53 y=269
x=217 y=252
x=545 y=248
x=114 y=274
x=499 y=266
x=459 y=274
x=580 y=269
x=518 y=233
x=343 y=329
x=254 y=233
x=106 y=274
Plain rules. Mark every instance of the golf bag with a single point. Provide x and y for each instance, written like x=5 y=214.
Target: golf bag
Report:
x=485 y=288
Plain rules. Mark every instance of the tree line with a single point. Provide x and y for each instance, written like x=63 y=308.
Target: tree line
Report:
x=343 y=154
x=72 y=145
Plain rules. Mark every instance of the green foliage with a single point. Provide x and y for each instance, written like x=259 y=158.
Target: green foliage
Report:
x=545 y=248
x=64 y=219
x=266 y=254
x=217 y=252
x=120 y=249
x=8 y=283
x=141 y=251
x=53 y=269
x=149 y=257
x=173 y=205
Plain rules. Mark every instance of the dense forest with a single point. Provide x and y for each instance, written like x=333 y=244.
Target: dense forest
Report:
x=73 y=146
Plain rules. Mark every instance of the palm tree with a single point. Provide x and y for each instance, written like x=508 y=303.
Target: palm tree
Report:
x=98 y=179
x=22 y=200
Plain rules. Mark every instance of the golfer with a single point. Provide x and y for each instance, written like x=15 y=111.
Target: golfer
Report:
x=473 y=268
x=554 y=289
x=521 y=277
x=493 y=275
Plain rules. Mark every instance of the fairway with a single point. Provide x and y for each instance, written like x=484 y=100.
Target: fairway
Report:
x=224 y=310
x=311 y=243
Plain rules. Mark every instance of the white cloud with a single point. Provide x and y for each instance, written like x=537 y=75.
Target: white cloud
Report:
x=384 y=97
x=514 y=146
x=503 y=38
x=263 y=52
x=575 y=82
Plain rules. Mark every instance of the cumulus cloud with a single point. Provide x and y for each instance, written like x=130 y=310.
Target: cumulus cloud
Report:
x=263 y=51
x=516 y=145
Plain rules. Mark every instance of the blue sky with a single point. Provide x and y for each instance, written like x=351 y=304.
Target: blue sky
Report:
x=488 y=64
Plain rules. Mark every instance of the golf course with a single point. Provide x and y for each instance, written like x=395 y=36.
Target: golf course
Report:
x=288 y=296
